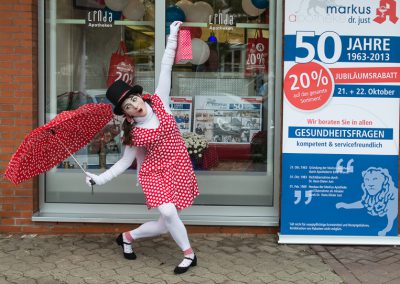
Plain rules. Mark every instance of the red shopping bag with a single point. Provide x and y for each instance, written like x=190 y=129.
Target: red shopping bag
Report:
x=121 y=66
x=256 y=55
x=184 y=49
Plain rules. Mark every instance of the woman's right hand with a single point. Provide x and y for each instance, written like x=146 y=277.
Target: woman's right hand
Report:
x=174 y=27
x=97 y=179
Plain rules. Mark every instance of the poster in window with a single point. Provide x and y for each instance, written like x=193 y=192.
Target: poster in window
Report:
x=229 y=120
x=181 y=107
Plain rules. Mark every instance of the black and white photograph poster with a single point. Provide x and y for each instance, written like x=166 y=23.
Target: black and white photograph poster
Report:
x=227 y=119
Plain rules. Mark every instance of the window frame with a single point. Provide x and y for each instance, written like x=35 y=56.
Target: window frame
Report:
x=197 y=214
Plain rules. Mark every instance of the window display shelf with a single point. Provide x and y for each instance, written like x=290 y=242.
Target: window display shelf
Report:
x=238 y=25
x=69 y=21
x=151 y=23
x=134 y=23
x=117 y=23
x=193 y=24
x=252 y=26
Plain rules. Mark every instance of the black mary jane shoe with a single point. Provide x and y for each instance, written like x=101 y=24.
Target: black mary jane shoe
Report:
x=180 y=269
x=120 y=242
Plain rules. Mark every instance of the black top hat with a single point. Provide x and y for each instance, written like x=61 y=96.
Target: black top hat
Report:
x=119 y=91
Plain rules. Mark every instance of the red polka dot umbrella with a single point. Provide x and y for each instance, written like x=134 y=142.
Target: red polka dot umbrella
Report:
x=50 y=144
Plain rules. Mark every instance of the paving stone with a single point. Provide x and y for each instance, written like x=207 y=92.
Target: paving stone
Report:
x=330 y=277
x=223 y=258
x=123 y=279
x=36 y=273
x=237 y=276
x=126 y=271
x=80 y=272
x=388 y=260
x=264 y=277
x=281 y=282
x=171 y=279
x=12 y=275
x=95 y=279
x=283 y=275
x=25 y=280
x=66 y=264
x=46 y=280
x=303 y=281
x=72 y=280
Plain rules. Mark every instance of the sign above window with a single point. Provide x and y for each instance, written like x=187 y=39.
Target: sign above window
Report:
x=99 y=19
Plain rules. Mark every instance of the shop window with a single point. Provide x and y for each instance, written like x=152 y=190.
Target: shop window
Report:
x=226 y=85
x=221 y=96
x=85 y=41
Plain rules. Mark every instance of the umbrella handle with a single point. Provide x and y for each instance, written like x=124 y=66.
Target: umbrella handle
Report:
x=92 y=183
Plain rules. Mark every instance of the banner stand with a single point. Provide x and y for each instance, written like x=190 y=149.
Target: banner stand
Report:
x=338 y=240
x=340 y=123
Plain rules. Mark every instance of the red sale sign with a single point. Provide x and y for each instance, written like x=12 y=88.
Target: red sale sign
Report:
x=308 y=86
x=256 y=54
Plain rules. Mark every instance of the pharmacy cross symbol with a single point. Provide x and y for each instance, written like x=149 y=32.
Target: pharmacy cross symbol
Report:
x=387 y=8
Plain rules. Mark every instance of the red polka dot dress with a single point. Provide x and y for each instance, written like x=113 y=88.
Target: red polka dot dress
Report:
x=166 y=174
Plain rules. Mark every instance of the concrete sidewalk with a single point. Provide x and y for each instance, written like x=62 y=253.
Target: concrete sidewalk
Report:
x=363 y=264
x=222 y=258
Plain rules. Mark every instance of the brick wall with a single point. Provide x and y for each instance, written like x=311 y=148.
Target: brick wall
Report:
x=18 y=104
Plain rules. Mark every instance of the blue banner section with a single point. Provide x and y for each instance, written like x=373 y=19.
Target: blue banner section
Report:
x=367 y=91
x=340 y=133
x=339 y=195
x=371 y=49
x=180 y=106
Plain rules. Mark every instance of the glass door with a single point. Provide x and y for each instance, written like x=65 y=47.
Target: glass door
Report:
x=88 y=46
x=224 y=94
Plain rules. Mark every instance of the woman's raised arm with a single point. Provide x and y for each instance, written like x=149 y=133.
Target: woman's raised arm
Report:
x=164 y=83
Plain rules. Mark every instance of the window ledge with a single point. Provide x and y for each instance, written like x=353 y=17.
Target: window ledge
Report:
x=140 y=218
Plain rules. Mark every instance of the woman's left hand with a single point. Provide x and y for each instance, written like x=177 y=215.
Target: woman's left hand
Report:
x=174 y=27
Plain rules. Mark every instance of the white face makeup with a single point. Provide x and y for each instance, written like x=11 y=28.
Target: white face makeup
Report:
x=134 y=106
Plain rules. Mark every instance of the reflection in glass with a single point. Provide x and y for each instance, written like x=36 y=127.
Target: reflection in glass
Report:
x=227 y=83
x=221 y=95
x=81 y=61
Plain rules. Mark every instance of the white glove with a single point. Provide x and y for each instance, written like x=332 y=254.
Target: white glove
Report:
x=118 y=168
x=172 y=43
x=174 y=28
x=99 y=180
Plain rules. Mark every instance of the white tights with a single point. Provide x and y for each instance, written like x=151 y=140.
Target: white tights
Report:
x=169 y=221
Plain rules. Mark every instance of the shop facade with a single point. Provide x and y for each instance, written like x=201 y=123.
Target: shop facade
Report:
x=228 y=95
x=297 y=109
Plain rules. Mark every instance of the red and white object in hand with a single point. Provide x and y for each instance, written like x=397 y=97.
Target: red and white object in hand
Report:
x=184 y=49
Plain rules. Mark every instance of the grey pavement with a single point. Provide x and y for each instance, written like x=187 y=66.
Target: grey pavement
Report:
x=363 y=264
x=222 y=258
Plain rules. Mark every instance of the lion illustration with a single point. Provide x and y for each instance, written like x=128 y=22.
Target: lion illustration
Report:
x=379 y=198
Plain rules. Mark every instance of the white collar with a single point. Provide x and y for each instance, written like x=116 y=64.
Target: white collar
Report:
x=149 y=115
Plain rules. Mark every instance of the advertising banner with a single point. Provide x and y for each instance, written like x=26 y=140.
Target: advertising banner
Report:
x=227 y=119
x=340 y=119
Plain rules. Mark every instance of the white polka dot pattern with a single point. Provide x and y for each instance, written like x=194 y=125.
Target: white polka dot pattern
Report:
x=184 y=48
x=41 y=150
x=166 y=174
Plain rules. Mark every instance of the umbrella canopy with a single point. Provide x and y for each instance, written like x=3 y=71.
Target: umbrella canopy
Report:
x=49 y=144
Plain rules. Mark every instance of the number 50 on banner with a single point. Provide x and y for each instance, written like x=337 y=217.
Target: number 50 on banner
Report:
x=303 y=39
